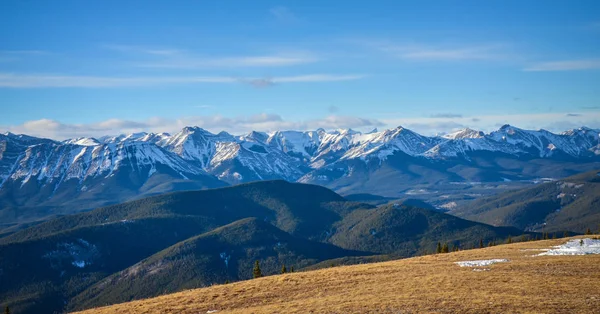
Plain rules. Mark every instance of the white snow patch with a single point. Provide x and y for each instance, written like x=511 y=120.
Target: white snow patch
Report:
x=211 y=311
x=225 y=257
x=449 y=205
x=576 y=247
x=79 y=264
x=481 y=263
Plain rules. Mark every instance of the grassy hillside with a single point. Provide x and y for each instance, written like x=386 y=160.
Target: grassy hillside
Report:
x=48 y=265
x=225 y=254
x=571 y=204
x=428 y=284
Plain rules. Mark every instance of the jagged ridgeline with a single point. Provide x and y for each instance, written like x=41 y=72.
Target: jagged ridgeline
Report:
x=40 y=178
x=182 y=240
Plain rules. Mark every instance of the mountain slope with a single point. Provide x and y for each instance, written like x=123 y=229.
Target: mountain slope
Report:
x=426 y=284
x=41 y=178
x=87 y=247
x=404 y=230
x=572 y=204
x=226 y=253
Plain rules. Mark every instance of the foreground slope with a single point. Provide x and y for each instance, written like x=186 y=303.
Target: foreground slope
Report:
x=46 y=266
x=571 y=204
x=224 y=254
x=525 y=284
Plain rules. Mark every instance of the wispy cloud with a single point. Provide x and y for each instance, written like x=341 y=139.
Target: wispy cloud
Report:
x=9 y=80
x=555 y=122
x=565 y=65
x=446 y=115
x=283 y=14
x=184 y=59
x=573 y=115
x=424 y=52
x=237 y=125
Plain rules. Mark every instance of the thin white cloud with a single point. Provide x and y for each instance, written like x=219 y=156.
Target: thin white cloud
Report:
x=9 y=80
x=565 y=65
x=171 y=58
x=425 y=52
x=555 y=122
x=191 y=62
x=215 y=123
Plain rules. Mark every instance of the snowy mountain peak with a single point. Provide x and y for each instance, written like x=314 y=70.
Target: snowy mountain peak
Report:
x=464 y=133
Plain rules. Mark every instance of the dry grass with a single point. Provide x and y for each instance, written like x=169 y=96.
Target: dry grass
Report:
x=428 y=284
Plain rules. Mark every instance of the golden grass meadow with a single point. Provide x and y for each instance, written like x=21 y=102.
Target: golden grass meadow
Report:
x=425 y=284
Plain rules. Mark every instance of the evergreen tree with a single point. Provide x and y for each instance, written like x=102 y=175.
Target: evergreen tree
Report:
x=554 y=235
x=445 y=248
x=481 y=243
x=283 y=269
x=588 y=231
x=439 y=248
x=509 y=240
x=226 y=281
x=522 y=238
x=566 y=234
x=581 y=242
x=256 y=272
x=6 y=310
x=292 y=269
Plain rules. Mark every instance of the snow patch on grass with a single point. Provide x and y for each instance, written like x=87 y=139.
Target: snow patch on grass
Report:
x=576 y=247
x=480 y=263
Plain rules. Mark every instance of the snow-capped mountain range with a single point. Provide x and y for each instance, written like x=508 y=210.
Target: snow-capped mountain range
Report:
x=46 y=167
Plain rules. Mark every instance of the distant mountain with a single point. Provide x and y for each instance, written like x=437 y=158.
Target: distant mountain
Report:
x=40 y=177
x=571 y=204
x=181 y=240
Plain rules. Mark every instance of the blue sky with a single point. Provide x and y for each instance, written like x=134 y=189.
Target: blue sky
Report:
x=85 y=68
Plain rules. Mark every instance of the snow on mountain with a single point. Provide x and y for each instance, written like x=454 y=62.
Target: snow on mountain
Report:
x=56 y=163
x=285 y=155
x=303 y=144
x=575 y=143
x=385 y=143
x=464 y=133
x=83 y=141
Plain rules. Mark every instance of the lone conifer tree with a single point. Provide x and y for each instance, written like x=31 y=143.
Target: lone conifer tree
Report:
x=509 y=240
x=283 y=269
x=256 y=272
x=554 y=235
x=439 y=248
x=481 y=243
x=6 y=310
x=581 y=242
x=588 y=231
x=292 y=269
x=566 y=234
x=445 y=248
